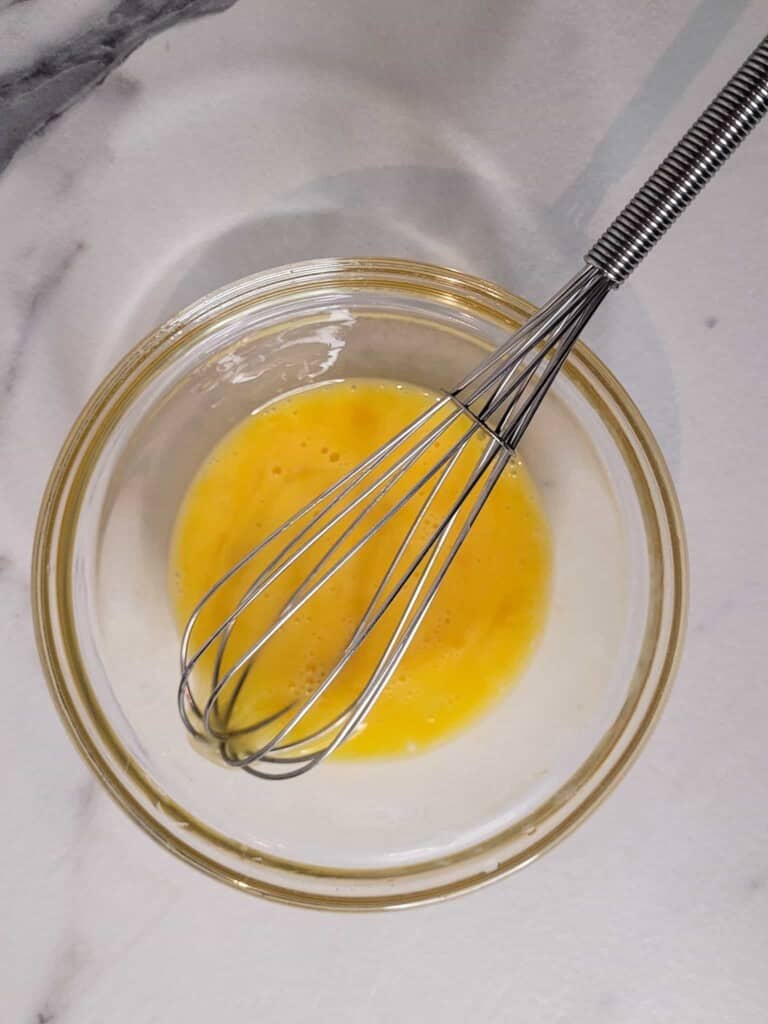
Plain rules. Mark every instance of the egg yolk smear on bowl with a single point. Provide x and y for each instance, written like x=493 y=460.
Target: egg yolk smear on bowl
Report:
x=479 y=630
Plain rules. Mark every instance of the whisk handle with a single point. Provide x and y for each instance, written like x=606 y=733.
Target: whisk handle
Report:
x=726 y=122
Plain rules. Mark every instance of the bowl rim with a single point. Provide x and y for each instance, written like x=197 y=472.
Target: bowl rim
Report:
x=73 y=697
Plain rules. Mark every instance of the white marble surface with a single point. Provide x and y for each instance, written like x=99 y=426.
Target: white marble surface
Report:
x=497 y=137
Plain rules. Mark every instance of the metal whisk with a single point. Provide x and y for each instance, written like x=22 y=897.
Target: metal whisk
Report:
x=495 y=403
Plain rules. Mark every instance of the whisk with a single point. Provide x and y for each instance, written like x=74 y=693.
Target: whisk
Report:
x=495 y=404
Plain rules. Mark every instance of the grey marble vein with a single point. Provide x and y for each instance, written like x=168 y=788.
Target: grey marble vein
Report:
x=30 y=307
x=69 y=961
x=32 y=97
x=85 y=801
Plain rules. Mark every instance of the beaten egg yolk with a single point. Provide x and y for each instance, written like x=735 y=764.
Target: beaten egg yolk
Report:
x=479 y=630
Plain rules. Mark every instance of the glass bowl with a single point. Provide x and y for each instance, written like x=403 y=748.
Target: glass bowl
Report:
x=356 y=834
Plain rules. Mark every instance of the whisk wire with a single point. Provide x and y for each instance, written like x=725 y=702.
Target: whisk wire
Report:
x=509 y=388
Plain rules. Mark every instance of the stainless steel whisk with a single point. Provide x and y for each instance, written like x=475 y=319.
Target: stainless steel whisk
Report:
x=496 y=402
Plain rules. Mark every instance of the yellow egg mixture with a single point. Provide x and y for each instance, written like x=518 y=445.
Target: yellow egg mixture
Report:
x=478 y=632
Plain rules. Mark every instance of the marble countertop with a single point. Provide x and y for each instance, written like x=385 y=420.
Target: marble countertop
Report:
x=153 y=149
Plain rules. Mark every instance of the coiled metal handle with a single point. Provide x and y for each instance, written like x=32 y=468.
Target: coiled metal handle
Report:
x=725 y=123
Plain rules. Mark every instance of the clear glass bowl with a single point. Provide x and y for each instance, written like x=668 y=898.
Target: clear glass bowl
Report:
x=356 y=834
